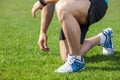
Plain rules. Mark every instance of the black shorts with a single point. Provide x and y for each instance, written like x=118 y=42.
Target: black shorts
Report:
x=96 y=12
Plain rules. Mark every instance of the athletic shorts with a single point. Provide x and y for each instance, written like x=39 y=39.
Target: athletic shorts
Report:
x=95 y=13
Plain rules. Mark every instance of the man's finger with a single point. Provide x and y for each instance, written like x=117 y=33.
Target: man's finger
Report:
x=42 y=47
x=36 y=6
x=34 y=9
x=33 y=12
x=45 y=44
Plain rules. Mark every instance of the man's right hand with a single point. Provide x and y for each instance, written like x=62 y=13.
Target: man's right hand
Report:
x=42 y=42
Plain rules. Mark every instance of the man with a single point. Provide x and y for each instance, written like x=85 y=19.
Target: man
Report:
x=75 y=17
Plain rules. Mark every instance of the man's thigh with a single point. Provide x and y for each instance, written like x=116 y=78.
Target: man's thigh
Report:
x=78 y=8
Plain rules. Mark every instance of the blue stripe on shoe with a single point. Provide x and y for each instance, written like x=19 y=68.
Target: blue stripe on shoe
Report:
x=109 y=43
x=76 y=66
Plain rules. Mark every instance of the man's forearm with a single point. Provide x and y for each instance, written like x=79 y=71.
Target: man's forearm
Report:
x=46 y=17
x=50 y=1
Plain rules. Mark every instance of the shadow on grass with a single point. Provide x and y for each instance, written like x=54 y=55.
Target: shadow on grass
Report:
x=113 y=63
x=107 y=68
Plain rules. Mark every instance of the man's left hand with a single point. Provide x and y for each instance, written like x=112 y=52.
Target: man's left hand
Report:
x=35 y=7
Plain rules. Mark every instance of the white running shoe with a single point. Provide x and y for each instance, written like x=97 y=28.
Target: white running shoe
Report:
x=73 y=64
x=108 y=47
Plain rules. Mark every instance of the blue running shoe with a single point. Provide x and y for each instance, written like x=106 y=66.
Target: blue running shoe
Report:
x=108 y=47
x=73 y=64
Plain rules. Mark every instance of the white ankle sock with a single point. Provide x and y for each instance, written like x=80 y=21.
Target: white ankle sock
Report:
x=75 y=57
x=102 y=39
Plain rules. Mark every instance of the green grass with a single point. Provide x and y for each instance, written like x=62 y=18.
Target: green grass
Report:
x=21 y=59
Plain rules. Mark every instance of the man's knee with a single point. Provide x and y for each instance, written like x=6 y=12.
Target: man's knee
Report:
x=62 y=10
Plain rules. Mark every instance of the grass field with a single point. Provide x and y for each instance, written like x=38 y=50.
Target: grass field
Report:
x=21 y=58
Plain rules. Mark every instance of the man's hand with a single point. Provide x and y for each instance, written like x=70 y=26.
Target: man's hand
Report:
x=42 y=42
x=35 y=7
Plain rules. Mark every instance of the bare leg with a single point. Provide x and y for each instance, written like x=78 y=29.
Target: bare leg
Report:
x=86 y=46
x=64 y=50
x=72 y=34
x=70 y=20
x=89 y=43
x=71 y=13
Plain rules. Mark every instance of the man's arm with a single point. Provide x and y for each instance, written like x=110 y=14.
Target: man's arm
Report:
x=50 y=1
x=38 y=5
x=47 y=13
x=46 y=17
